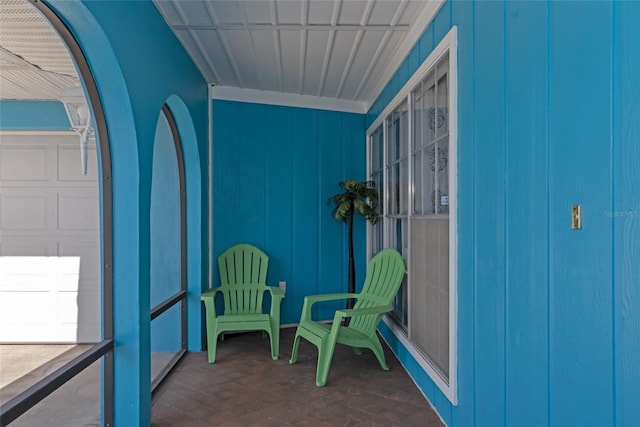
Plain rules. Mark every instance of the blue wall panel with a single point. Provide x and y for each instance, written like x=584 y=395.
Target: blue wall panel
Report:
x=166 y=269
x=548 y=316
x=490 y=264
x=463 y=16
x=626 y=213
x=580 y=287
x=295 y=160
x=526 y=214
x=279 y=203
x=33 y=115
x=305 y=198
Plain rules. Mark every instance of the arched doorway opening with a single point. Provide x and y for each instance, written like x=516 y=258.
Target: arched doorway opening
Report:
x=168 y=236
x=99 y=353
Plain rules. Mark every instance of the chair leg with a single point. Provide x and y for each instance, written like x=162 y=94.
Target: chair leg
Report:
x=325 y=355
x=376 y=347
x=294 y=350
x=274 y=338
x=212 y=342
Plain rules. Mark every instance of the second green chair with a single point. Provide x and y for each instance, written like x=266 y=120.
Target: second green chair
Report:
x=384 y=276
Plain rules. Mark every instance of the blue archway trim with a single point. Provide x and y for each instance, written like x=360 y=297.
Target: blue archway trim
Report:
x=193 y=181
x=132 y=392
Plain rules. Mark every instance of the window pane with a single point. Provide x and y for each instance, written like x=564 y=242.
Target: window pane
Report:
x=418 y=119
x=394 y=190
x=398 y=240
x=430 y=118
x=429 y=304
x=443 y=176
x=430 y=178
x=404 y=177
x=403 y=131
x=417 y=183
x=443 y=98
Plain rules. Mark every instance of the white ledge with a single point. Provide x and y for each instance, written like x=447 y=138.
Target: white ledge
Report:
x=255 y=96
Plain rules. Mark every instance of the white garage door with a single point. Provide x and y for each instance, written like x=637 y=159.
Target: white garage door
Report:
x=49 y=240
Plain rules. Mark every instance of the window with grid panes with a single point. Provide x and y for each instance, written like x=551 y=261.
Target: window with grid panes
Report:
x=412 y=161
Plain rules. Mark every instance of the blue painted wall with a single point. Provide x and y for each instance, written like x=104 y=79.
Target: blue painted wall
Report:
x=138 y=65
x=274 y=169
x=165 y=261
x=548 y=317
x=33 y=115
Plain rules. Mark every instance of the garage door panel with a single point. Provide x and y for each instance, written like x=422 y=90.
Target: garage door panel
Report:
x=20 y=309
x=78 y=307
x=87 y=267
x=49 y=240
x=24 y=209
x=24 y=163
x=26 y=273
x=70 y=165
x=78 y=210
x=23 y=246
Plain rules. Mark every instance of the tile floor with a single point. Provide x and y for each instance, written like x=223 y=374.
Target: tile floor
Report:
x=245 y=387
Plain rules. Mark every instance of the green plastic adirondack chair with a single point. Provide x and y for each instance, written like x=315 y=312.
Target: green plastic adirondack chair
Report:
x=243 y=273
x=384 y=276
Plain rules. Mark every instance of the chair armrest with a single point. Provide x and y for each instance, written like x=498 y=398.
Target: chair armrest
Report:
x=312 y=299
x=275 y=291
x=277 y=295
x=208 y=297
x=340 y=314
x=209 y=293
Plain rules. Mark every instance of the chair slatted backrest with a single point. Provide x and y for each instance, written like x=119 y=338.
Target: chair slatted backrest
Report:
x=384 y=276
x=243 y=277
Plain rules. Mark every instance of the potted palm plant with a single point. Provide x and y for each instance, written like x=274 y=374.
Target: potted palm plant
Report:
x=359 y=197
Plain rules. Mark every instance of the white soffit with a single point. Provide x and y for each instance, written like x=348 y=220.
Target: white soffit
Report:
x=34 y=62
x=342 y=50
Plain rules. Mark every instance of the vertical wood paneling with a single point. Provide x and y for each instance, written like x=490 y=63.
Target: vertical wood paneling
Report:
x=626 y=212
x=462 y=14
x=489 y=214
x=306 y=199
x=526 y=204
x=426 y=45
x=332 y=273
x=548 y=321
x=580 y=372
x=278 y=184
x=225 y=170
x=274 y=169
x=251 y=169
x=442 y=22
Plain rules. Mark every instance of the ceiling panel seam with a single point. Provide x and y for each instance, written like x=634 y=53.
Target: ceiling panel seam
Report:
x=425 y=17
x=366 y=15
x=304 y=19
x=372 y=63
x=252 y=46
x=383 y=45
x=198 y=45
x=273 y=11
x=225 y=45
x=337 y=5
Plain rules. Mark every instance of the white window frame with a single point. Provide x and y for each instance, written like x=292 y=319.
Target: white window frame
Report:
x=448 y=45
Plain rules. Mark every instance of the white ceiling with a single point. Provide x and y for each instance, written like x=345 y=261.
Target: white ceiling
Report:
x=34 y=63
x=342 y=50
